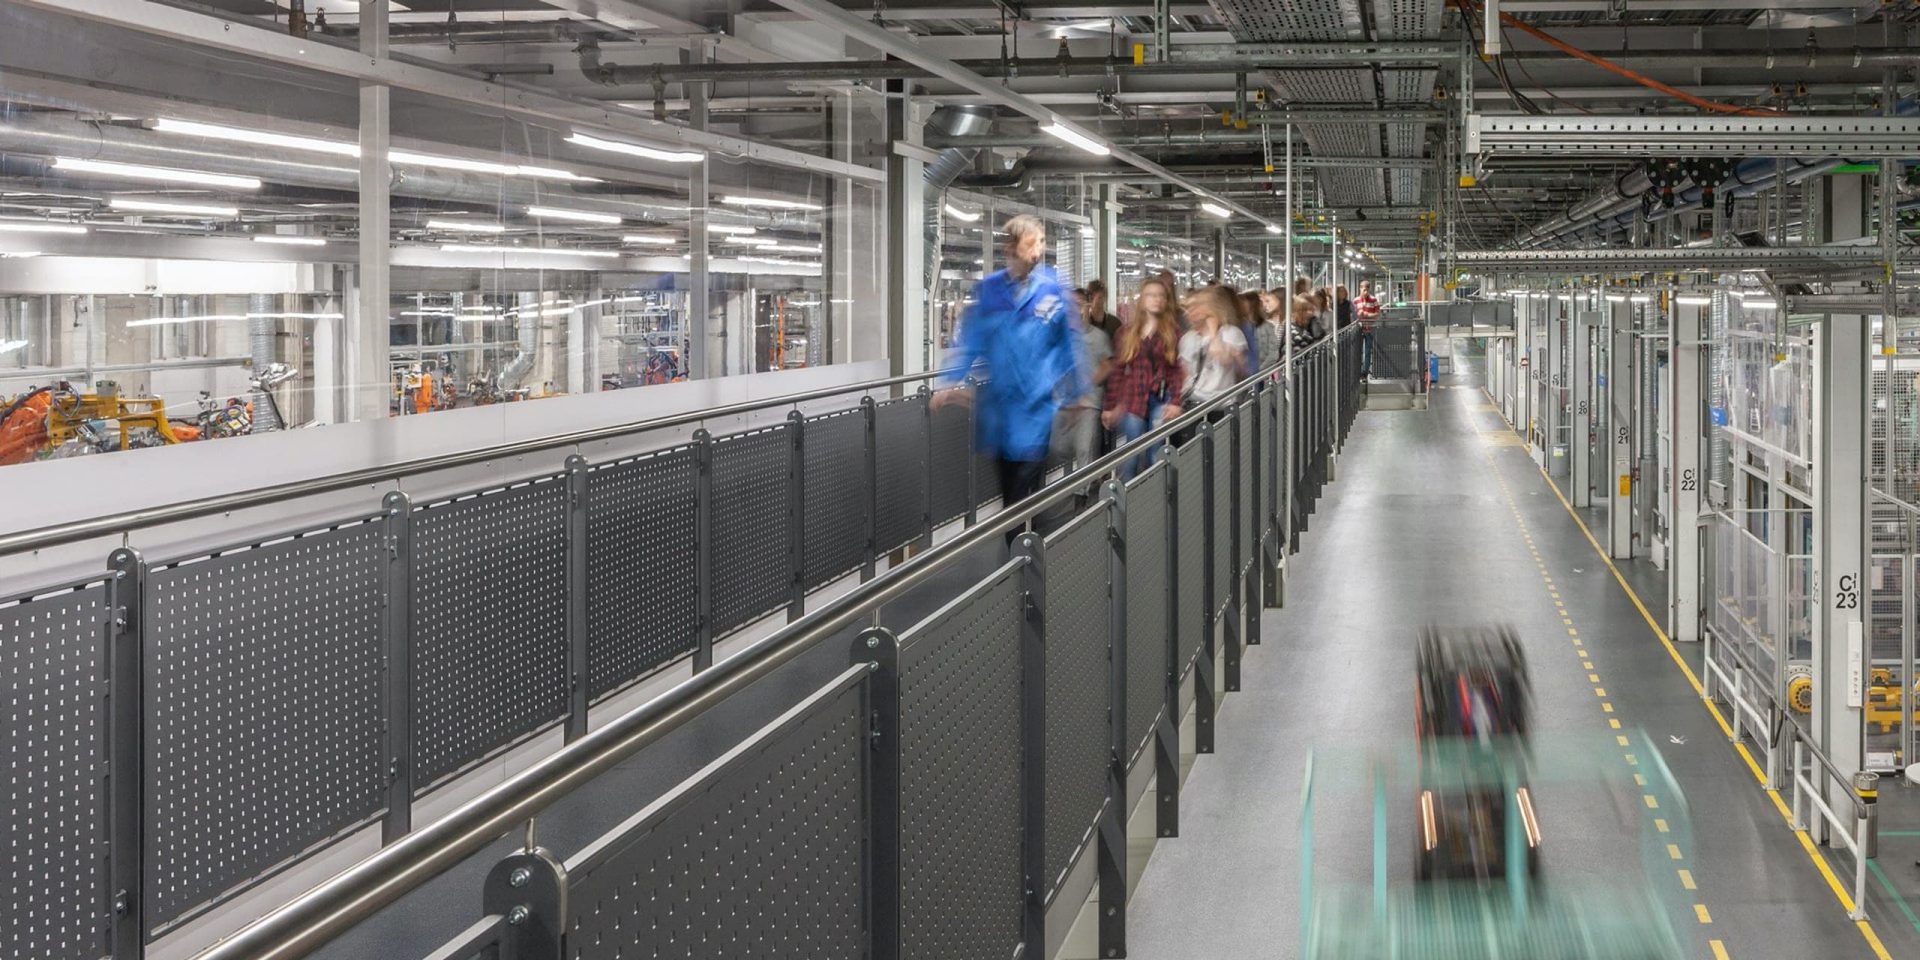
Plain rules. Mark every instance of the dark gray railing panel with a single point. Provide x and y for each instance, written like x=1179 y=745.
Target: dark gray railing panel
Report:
x=1251 y=501
x=640 y=556
x=900 y=434
x=1222 y=516
x=986 y=483
x=265 y=712
x=1147 y=588
x=952 y=452
x=751 y=572
x=1078 y=745
x=833 y=449
x=960 y=776
x=52 y=652
x=1191 y=563
x=489 y=624
x=761 y=855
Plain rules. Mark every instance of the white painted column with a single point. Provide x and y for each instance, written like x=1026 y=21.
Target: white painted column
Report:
x=366 y=330
x=1619 y=440
x=1686 y=480
x=1580 y=440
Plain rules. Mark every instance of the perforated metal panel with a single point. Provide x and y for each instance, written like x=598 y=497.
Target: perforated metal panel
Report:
x=1190 y=565
x=1222 y=516
x=986 y=484
x=752 y=571
x=952 y=455
x=763 y=860
x=960 y=776
x=1147 y=588
x=52 y=652
x=1079 y=744
x=1251 y=500
x=640 y=574
x=900 y=432
x=834 y=458
x=489 y=624
x=265 y=711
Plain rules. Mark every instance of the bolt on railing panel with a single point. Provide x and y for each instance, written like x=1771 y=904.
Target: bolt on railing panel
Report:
x=640 y=556
x=751 y=576
x=1078 y=740
x=960 y=731
x=1147 y=589
x=834 y=495
x=900 y=433
x=266 y=716
x=1191 y=562
x=760 y=855
x=54 y=661
x=489 y=623
x=952 y=456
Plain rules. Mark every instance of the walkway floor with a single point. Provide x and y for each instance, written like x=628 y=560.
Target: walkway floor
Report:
x=1440 y=517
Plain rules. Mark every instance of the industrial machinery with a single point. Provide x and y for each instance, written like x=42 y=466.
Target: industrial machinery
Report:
x=1471 y=694
x=60 y=421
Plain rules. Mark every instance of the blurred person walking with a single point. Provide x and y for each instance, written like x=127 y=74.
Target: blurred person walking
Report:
x=1077 y=432
x=1144 y=387
x=1366 y=309
x=1019 y=344
x=1213 y=351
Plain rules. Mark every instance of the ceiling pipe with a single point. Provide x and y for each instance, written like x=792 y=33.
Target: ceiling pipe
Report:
x=955 y=121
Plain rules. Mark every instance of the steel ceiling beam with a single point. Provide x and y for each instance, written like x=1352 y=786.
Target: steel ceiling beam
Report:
x=1677 y=260
x=829 y=15
x=1795 y=136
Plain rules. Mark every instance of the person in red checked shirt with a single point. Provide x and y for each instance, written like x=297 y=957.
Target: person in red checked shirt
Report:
x=1366 y=309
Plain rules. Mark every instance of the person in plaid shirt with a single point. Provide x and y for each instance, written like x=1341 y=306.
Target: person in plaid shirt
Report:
x=1147 y=380
x=1366 y=309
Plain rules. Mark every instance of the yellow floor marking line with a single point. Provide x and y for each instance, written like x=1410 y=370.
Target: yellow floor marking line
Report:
x=1660 y=825
x=1820 y=864
x=1673 y=851
x=1719 y=949
x=1700 y=913
x=1615 y=724
x=1686 y=879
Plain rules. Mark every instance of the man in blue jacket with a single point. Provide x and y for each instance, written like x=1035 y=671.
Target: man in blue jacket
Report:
x=1020 y=343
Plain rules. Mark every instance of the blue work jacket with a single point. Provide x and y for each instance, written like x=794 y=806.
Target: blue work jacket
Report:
x=1026 y=349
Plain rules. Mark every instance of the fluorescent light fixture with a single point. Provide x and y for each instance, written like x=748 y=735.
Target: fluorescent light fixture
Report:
x=289 y=240
x=215 y=131
x=1616 y=298
x=426 y=313
x=140 y=171
x=1086 y=229
x=465 y=226
x=749 y=241
x=603 y=301
x=636 y=150
x=185 y=209
x=650 y=241
x=1758 y=303
x=1694 y=300
x=9 y=346
x=961 y=215
x=479 y=309
x=1076 y=138
x=296 y=316
x=1275 y=228
x=732 y=230
x=770 y=203
x=20 y=254
x=36 y=226
x=159 y=321
x=527 y=251
x=792 y=247
x=583 y=216
x=1217 y=210
x=1641 y=298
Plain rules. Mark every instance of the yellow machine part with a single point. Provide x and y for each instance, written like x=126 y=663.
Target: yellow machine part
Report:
x=1883 y=704
x=1800 y=694
x=130 y=413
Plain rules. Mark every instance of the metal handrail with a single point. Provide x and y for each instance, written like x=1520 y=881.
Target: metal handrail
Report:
x=76 y=530
x=316 y=917
x=1846 y=781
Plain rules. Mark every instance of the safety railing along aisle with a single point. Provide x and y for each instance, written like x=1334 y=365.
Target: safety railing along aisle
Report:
x=958 y=779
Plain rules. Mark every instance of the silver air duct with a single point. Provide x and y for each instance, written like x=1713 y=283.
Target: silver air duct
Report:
x=262 y=336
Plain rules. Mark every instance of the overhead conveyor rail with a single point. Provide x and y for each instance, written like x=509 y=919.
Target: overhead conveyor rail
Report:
x=947 y=785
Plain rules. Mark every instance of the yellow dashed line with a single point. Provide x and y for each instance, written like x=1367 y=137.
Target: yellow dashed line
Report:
x=1700 y=913
x=1599 y=691
x=1592 y=677
x=1673 y=851
x=1686 y=879
x=1606 y=707
x=1640 y=779
x=1719 y=949
x=1653 y=804
x=1615 y=724
x=1660 y=825
x=1622 y=740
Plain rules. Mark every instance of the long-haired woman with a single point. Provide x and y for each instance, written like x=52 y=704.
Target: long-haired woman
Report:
x=1147 y=380
x=1214 y=350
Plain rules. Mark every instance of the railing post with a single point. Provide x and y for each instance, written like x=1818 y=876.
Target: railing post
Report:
x=926 y=501
x=1272 y=548
x=973 y=464
x=576 y=579
x=1166 y=735
x=796 y=516
x=1793 y=772
x=126 y=753
x=396 y=624
x=1205 y=671
x=702 y=549
x=1231 y=619
x=529 y=890
x=1113 y=825
x=879 y=649
x=1256 y=524
x=870 y=497
x=1033 y=739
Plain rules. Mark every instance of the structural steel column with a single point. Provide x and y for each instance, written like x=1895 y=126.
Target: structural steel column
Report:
x=1580 y=439
x=1106 y=228
x=703 y=360
x=909 y=348
x=366 y=330
x=1840 y=501
x=1220 y=254
x=1686 y=480
x=1619 y=441
x=1556 y=345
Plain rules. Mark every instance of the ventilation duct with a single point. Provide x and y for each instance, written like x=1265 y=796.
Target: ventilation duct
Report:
x=953 y=161
x=263 y=332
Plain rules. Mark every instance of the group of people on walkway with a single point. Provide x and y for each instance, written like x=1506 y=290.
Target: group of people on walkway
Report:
x=1057 y=380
